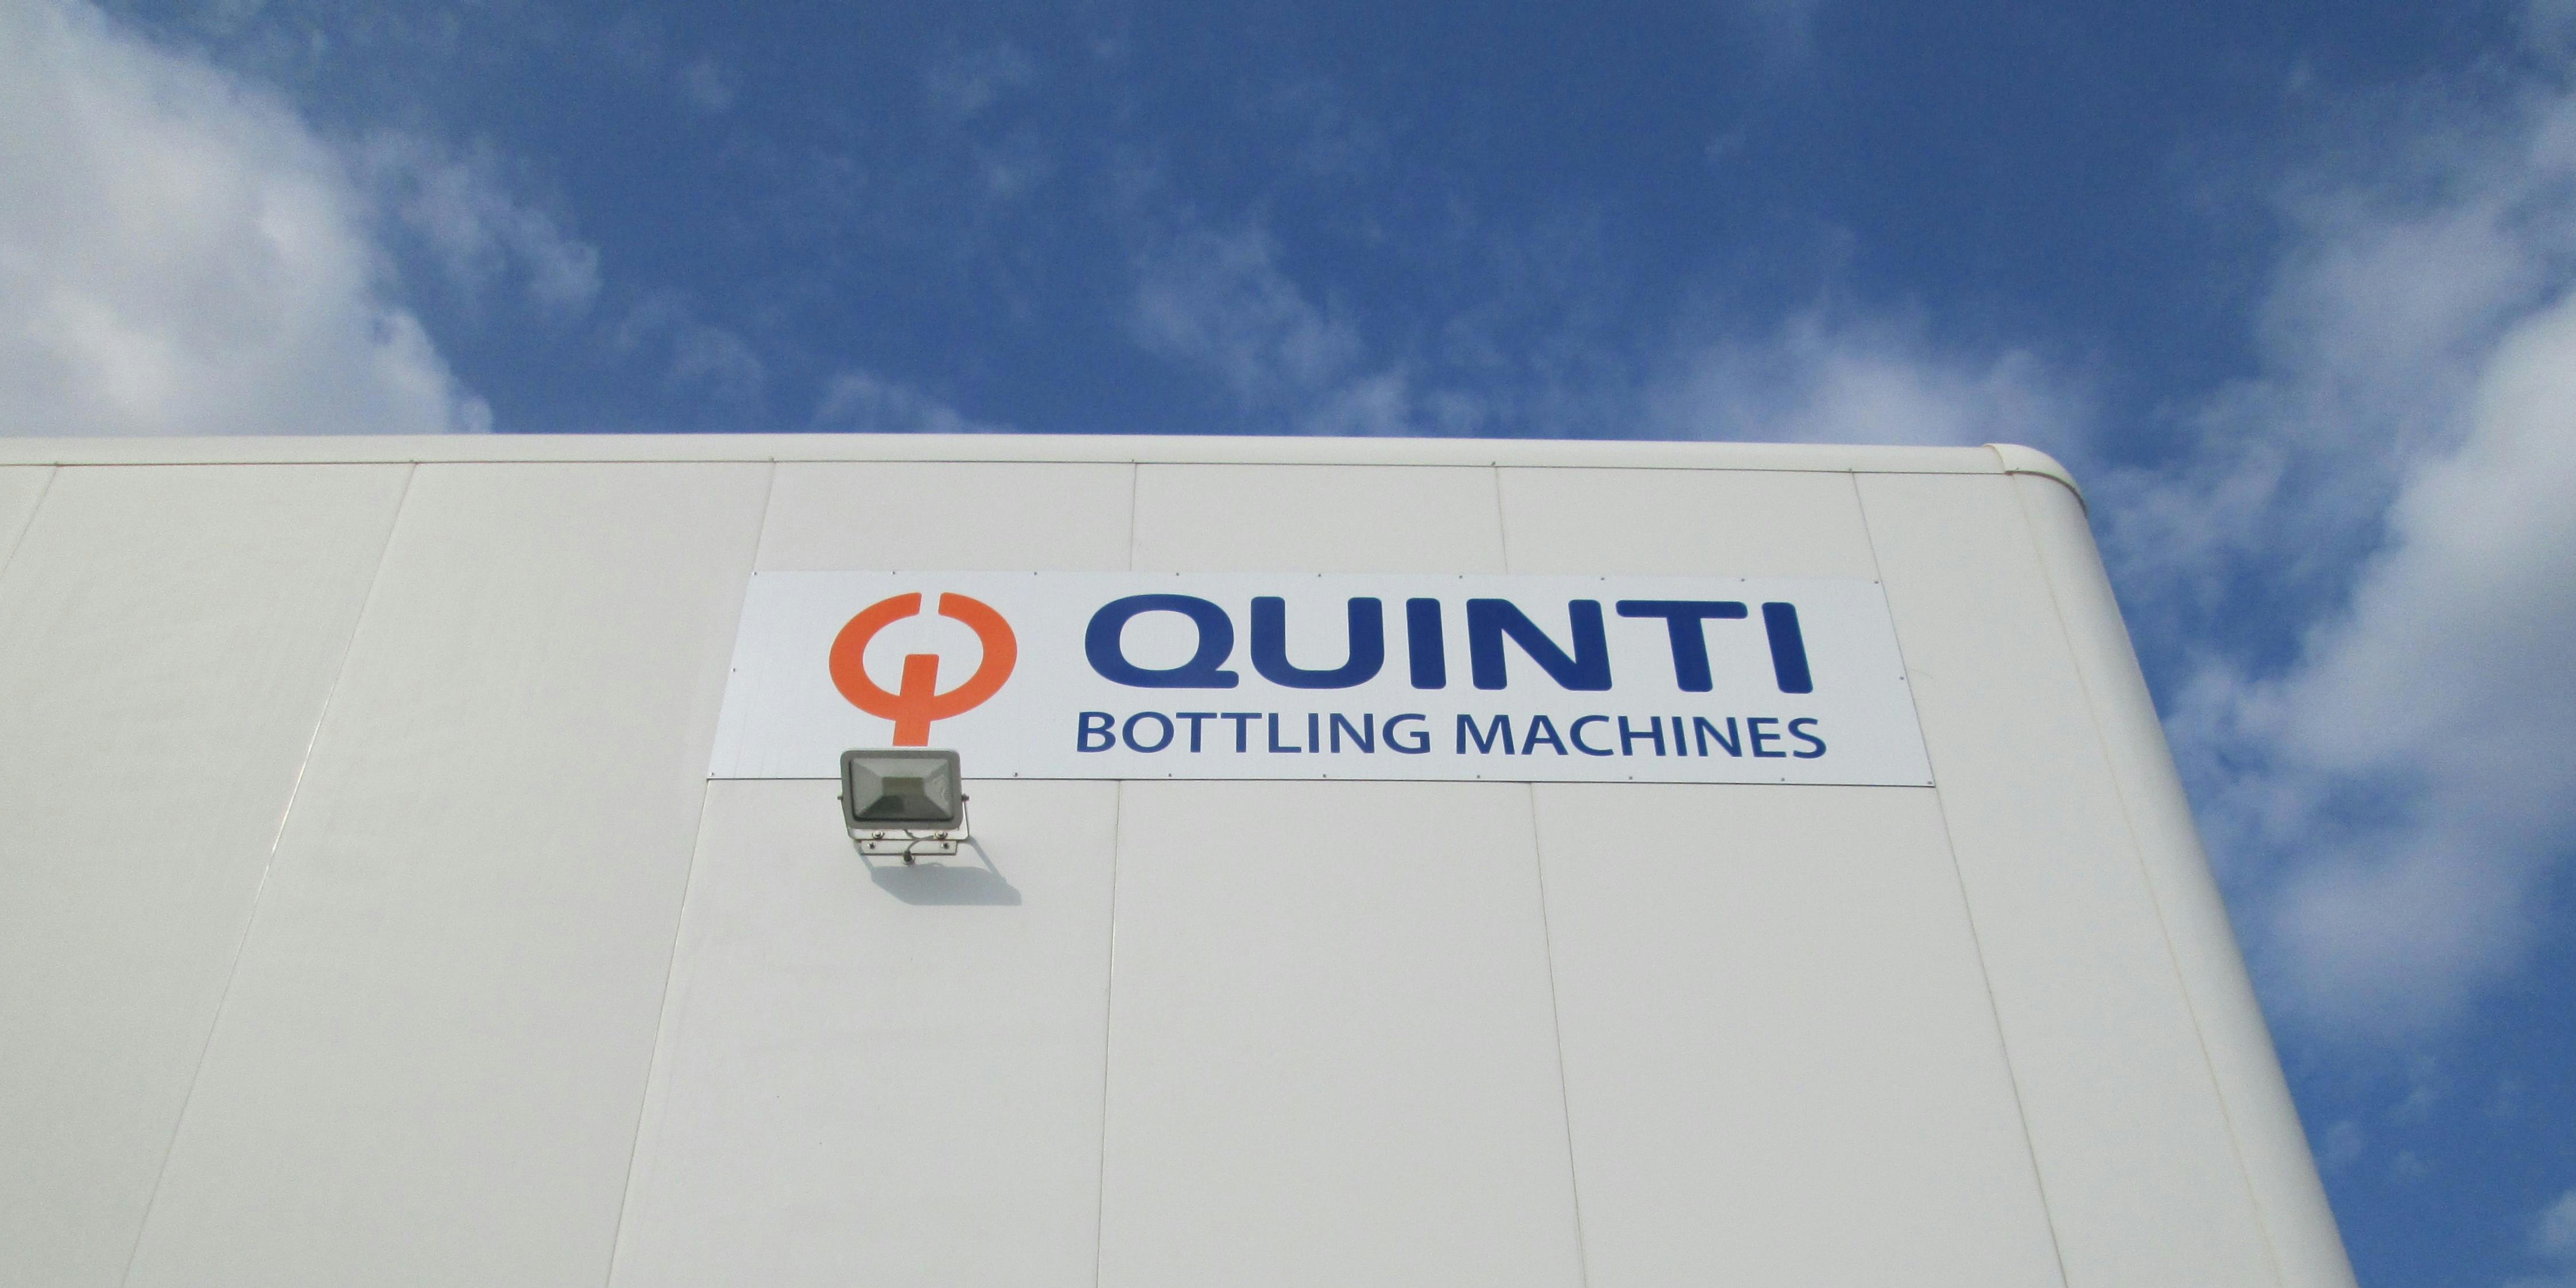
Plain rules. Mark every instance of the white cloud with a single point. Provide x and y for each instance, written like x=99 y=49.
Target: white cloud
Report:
x=699 y=356
x=2394 y=799
x=865 y=403
x=1375 y=406
x=2554 y=1234
x=180 y=254
x=1871 y=379
x=2552 y=24
x=1789 y=26
x=707 y=87
x=2451 y=673
x=2553 y=1238
x=1334 y=141
x=1014 y=166
x=1221 y=302
x=2544 y=1281
x=961 y=86
x=476 y=229
x=640 y=43
x=636 y=42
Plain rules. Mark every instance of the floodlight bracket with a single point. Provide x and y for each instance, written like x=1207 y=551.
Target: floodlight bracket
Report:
x=911 y=843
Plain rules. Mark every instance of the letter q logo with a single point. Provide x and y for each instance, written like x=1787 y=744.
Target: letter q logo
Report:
x=918 y=701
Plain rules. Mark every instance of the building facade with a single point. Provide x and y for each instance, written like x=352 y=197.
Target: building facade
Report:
x=377 y=905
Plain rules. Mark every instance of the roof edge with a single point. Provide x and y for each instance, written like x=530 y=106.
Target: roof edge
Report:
x=2017 y=459
x=1035 y=448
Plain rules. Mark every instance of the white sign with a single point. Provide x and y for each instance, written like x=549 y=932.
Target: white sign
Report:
x=1161 y=675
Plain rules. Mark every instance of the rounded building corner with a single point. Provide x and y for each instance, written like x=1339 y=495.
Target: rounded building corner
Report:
x=2018 y=459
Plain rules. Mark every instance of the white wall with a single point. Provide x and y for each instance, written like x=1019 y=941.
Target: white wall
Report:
x=365 y=915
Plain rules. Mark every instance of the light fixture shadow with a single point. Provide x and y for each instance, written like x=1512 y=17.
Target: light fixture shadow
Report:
x=934 y=882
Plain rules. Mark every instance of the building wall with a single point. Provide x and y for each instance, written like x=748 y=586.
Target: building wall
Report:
x=366 y=915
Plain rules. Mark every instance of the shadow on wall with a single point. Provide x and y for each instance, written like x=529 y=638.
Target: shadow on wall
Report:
x=946 y=883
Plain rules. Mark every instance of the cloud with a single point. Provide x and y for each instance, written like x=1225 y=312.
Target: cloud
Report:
x=2553 y=1238
x=1219 y=301
x=961 y=86
x=1861 y=379
x=1787 y=27
x=2554 y=1234
x=707 y=87
x=2552 y=24
x=180 y=254
x=698 y=356
x=2394 y=798
x=865 y=403
x=636 y=42
x=1332 y=140
x=2449 y=675
x=1222 y=301
x=1014 y=166
x=475 y=229
x=639 y=43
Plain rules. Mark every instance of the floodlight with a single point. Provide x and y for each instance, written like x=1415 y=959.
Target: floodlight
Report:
x=907 y=802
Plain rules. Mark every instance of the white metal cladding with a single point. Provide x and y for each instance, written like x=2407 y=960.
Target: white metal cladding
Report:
x=366 y=916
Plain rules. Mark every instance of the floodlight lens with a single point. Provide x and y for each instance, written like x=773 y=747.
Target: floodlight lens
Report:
x=901 y=800
x=901 y=789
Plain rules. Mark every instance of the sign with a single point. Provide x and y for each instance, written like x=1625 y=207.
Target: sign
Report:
x=1298 y=675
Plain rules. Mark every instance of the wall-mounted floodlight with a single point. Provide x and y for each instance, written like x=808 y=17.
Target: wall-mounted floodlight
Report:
x=904 y=803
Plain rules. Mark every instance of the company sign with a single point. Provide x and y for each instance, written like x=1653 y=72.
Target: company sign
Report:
x=1144 y=675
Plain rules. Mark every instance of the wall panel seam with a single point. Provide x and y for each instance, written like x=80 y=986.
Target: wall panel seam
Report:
x=760 y=539
x=1108 y=1033
x=1968 y=910
x=259 y=891
x=2155 y=899
x=1556 y=1036
x=661 y=1017
x=679 y=921
x=9 y=551
x=1135 y=502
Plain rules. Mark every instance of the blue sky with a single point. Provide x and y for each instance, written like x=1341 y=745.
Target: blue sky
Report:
x=2288 y=285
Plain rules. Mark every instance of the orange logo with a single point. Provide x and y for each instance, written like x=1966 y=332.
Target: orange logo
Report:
x=919 y=701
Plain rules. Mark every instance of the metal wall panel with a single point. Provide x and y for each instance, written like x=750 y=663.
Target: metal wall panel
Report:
x=2134 y=1152
x=20 y=487
x=1696 y=523
x=1781 y=1065
x=1317 y=518
x=167 y=639
x=1331 y=1052
x=1332 y=1058
x=905 y=516
x=2279 y=1166
x=1741 y=972
x=434 y=1054
x=880 y=1074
